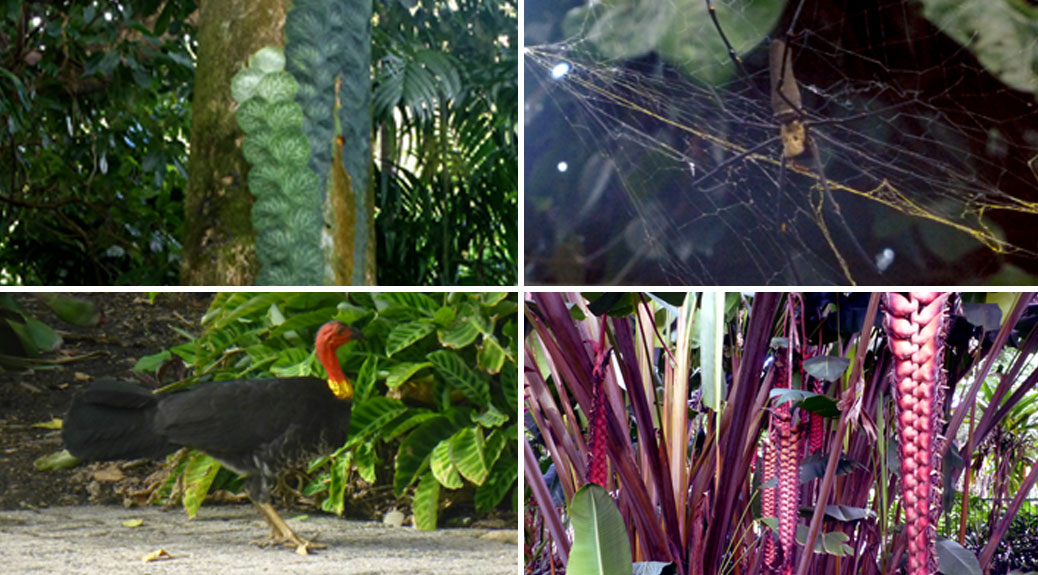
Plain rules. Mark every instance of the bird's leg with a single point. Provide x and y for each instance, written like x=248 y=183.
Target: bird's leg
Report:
x=281 y=533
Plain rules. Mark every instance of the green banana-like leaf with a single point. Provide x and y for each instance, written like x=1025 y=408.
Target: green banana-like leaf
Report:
x=600 y=543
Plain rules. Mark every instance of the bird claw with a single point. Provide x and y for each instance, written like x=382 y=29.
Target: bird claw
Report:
x=303 y=546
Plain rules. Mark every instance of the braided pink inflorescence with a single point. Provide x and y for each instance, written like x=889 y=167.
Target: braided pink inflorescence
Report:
x=816 y=435
x=788 y=471
x=769 y=506
x=915 y=325
x=597 y=424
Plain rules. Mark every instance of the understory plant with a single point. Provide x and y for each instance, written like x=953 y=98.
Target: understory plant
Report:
x=756 y=433
x=435 y=398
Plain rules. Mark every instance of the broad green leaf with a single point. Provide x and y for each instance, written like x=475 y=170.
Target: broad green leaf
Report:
x=503 y=477
x=491 y=356
x=600 y=543
x=984 y=315
x=365 y=383
x=822 y=405
x=442 y=467
x=826 y=367
x=490 y=299
x=492 y=417
x=426 y=501
x=809 y=401
x=150 y=363
x=415 y=449
x=417 y=417
x=460 y=335
x=710 y=330
x=369 y=416
x=834 y=543
x=336 y=500
x=460 y=376
x=405 y=334
x=364 y=459
x=401 y=372
x=999 y=34
x=847 y=513
x=416 y=301
x=198 y=477
x=466 y=452
x=954 y=559
x=57 y=460
x=71 y=309
x=510 y=386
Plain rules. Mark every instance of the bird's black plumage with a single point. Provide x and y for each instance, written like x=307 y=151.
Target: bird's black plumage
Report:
x=256 y=427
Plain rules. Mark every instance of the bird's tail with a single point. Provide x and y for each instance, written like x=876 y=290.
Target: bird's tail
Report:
x=114 y=420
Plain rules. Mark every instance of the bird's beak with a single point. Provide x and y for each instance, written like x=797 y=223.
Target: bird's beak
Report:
x=356 y=334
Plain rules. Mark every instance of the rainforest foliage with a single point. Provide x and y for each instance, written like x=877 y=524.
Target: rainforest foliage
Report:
x=779 y=432
x=95 y=104
x=435 y=381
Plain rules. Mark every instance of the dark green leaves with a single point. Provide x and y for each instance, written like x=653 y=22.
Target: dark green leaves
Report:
x=826 y=367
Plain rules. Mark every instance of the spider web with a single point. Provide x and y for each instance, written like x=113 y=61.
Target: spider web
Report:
x=645 y=164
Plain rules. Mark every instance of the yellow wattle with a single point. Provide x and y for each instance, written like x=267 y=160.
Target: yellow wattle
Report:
x=342 y=389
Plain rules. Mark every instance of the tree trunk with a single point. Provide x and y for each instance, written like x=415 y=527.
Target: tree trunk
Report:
x=219 y=246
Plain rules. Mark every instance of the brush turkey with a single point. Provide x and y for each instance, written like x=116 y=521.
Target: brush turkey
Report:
x=255 y=427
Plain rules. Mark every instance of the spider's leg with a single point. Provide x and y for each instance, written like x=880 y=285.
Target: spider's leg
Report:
x=780 y=215
x=816 y=156
x=717 y=169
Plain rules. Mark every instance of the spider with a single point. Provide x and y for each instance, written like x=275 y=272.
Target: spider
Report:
x=795 y=136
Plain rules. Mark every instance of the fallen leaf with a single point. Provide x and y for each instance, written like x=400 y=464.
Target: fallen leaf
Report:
x=156 y=556
x=133 y=523
x=80 y=376
x=110 y=473
x=52 y=424
x=503 y=535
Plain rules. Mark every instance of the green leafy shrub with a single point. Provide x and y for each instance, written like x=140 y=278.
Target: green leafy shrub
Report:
x=436 y=377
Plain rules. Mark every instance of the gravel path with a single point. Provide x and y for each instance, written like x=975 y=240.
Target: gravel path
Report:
x=93 y=539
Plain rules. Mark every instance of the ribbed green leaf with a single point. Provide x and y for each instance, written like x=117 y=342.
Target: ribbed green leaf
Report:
x=401 y=372
x=600 y=544
x=365 y=383
x=198 y=477
x=415 y=449
x=426 y=502
x=502 y=477
x=442 y=467
x=459 y=335
x=460 y=376
x=337 y=486
x=491 y=356
x=492 y=417
x=369 y=416
x=466 y=452
x=405 y=334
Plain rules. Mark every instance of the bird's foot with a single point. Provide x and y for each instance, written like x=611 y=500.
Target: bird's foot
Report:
x=302 y=546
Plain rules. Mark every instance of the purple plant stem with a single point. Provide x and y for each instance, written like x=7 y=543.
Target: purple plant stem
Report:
x=534 y=478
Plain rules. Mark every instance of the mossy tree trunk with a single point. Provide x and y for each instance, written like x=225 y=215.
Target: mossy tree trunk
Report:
x=219 y=246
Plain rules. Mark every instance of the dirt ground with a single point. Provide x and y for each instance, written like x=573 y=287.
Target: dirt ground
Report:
x=131 y=327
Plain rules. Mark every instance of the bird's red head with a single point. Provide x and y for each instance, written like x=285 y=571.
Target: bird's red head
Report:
x=330 y=338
